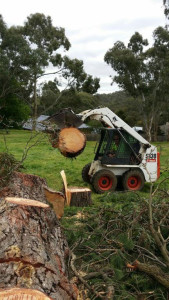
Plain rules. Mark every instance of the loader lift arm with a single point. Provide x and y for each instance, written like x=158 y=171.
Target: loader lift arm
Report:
x=111 y=120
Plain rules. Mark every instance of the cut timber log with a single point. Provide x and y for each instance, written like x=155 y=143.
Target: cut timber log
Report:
x=71 y=142
x=57 y=200
x=33 y=250
x=76 y=196
x=22 y=294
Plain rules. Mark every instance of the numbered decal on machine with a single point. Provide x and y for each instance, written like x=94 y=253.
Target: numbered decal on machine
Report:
x=152 y=157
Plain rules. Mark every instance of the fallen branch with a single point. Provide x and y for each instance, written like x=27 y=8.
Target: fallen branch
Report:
x=154 y=272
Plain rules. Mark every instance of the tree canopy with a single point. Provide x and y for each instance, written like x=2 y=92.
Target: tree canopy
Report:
x=27 y=52
x=143 y=73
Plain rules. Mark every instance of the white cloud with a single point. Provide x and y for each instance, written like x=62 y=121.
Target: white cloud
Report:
x=92 y=26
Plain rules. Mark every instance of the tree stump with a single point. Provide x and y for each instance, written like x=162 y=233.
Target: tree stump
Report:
x=80 y=197
x=76 y=196
x=32 y=251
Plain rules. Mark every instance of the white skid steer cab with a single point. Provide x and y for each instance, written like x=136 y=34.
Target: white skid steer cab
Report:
x=122 y=155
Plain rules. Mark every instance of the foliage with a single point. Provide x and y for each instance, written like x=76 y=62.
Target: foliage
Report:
x=77 y=100
x=14 y=111
x=123 y=105
x=166 y=8
x=107 y=238
x=143 y=73
x=8 y=164
x=25 y=54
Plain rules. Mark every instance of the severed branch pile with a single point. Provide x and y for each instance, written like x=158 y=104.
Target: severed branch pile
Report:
x=114 y=251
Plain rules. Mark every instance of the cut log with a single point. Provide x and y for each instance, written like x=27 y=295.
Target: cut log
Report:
x=33 y=251
x=71 y=142
x=22 y=294
x=76 y=196
x=57 y=200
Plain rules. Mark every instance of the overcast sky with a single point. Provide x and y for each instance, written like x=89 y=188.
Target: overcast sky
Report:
x=92 y=26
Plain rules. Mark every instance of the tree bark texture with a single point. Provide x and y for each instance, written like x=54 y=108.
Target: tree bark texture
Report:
x=33 y=250
x=153 y=271
x=80 y=197
x=24 y=186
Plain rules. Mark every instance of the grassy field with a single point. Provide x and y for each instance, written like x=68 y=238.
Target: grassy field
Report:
x=47 y=162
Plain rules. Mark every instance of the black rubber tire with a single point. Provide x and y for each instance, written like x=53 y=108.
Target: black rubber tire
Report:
x=133 y=180
x=85 y=171
x=104 y=181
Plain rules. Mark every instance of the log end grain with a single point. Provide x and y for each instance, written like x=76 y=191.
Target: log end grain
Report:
x=22 y=294
x=71 y=142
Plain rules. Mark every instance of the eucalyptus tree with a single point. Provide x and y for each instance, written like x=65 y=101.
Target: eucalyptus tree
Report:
x=13 y=75
x=33 y=51
x=143 y=72
x=166 y=8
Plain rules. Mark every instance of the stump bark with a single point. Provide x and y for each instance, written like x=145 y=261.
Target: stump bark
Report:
x=32 y=251
x=24 y=186
x=33 y=187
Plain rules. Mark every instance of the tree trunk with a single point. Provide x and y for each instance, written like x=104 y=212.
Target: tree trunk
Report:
x=35 y=106
x=33 y=250
x=24 y=186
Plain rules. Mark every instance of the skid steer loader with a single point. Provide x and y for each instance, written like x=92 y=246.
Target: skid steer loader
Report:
x=122 y=155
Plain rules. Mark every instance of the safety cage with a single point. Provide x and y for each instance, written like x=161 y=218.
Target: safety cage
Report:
x=117 y=147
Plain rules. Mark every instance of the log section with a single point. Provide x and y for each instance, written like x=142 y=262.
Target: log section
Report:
x=33 y=250
x=71 y=142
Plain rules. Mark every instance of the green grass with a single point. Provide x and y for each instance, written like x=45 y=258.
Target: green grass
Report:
x=47 y=162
